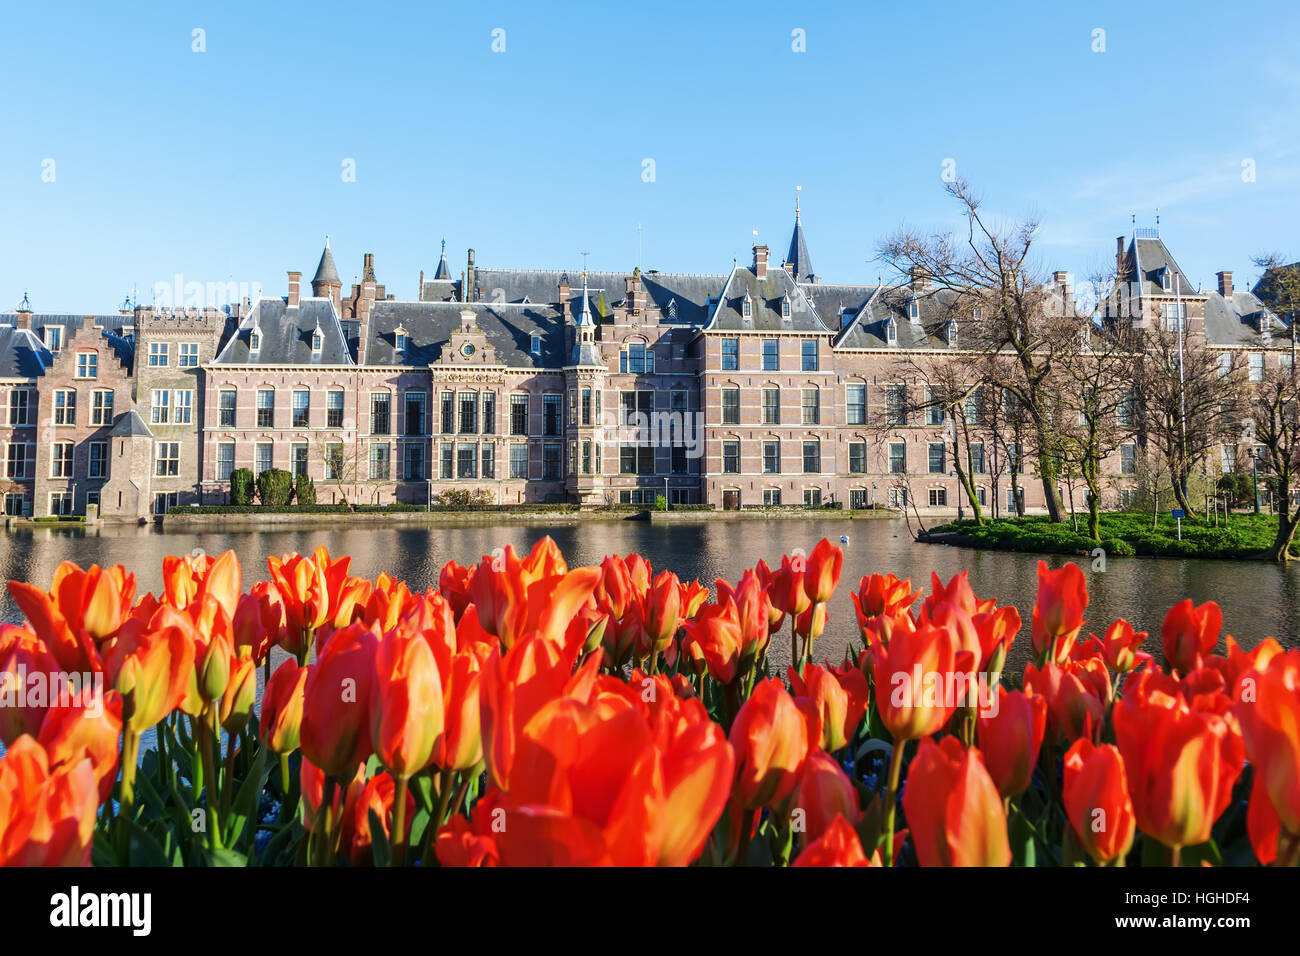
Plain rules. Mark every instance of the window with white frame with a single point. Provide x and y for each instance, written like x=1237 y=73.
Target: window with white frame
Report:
x=98 y=467
x=158 y=353
x=61 y=453
x=188 y=355
x=160 y=410
x=20 y=406
x=1257 y=366
x=65 y=407
x=183 y=406
x=87 y=365
x=101 y=407
x=168 y=460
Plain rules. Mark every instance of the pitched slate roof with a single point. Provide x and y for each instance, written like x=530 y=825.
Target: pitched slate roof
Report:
x=765 y=296
x=831 y=300
x=130 y=425
x=867 y=330
x=440 y=290
x=1147 y=258
x=1235 y=320
x=286 y=335
x=22 y=354
x=541 y=286
x=682 y=297
x=428 y=327
x=443 y=272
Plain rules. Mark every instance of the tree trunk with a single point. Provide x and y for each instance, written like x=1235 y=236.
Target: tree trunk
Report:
x=1286 y=528
x=1094 y=515
x=1181 y=498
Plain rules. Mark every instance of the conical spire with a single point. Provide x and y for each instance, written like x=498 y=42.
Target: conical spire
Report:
x=325 y=272
x=443 y=272
x=798 y=254
x=584 y=316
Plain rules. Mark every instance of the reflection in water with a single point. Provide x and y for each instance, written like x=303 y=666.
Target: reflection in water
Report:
x=1257 y=599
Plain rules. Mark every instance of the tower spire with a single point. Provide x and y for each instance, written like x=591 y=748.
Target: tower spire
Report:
x=797 y=260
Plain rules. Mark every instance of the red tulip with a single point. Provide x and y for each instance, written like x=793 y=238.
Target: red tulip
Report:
x=838 y=846
x=754 y=612
x=786 y=586
x=335 y=732
x=1010 y=739
x=662 y=611
x=716 y=638
x=915 y=674
x=770 y=738
x=824 y=793
x=24 y=662
x=1076 y=694
x=1058 y=612
x=1268 y=709
x=377 y=796
x=829 y=705
x=406 y=713
x=1121 y=646
x=1097 y=803
x=882 y=595
x=1188 y=633
x=1181 y=763
x=953 y=809
x=152 y=666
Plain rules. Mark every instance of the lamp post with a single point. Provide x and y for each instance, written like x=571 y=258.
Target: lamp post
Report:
x=666 y=500
x=1254 y=477
x=953 y=474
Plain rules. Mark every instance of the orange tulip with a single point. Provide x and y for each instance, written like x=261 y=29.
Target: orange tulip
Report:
x=406 y=715
x=838 y=846
x=335 y=731
x=258 y=620
x=282 y=704
x=1188 y=633
x=953 y=809
x=915 y=674
x=823 y=571
x=236 y=705
x=80 y=613
x=717 y=638
x=997 y=630
x=1096 y=800
x=378 y=796
x=1268 y=710
x=89 y=729
x=824 y=698
x=453 y=585
x=1076 y=694
x=47 y=818
x=770 y=738
x=957 y=592
x=152 y=666
x=660 y=615
x=1010 y=739
x=786 y=588
x=754 y=612
x=1058 y=612
x=882 y=595
x=460 y=745
x=24 y=660
x=186 y=580
x=1181 y=763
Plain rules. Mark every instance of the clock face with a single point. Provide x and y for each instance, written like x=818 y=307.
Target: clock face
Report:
x=467 y=350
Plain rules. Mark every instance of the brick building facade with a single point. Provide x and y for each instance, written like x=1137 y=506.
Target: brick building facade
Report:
x=760 y=386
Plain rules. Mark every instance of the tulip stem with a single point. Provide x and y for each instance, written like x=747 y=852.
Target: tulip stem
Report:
x=891 y=801
x=322 y=826
x=445 y=779
x=126 y=792
x=210 y=787
x=399 y=822
x=1289 y=856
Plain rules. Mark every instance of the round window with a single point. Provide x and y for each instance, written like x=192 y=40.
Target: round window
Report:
x=467 y=350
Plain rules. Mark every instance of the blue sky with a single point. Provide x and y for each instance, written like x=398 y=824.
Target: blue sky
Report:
x=226 y=165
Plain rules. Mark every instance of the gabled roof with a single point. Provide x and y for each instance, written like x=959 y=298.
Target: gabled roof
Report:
x=429 y=325
x=682 y=298
x=22 y=354
x=286 y=335
x=130 y=425
x=765 y=296
x=927 y=331
x=497 y=286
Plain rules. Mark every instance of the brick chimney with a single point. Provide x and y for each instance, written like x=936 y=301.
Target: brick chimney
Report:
x=1119 y=257
x=467 y=293
x=1225 y=284
x=23 y=317
x=635 y=292
x=564 y=290
x=760 y=261
x=920 y=279
x=1062 y=281
x=295 y=289
x=365 y=302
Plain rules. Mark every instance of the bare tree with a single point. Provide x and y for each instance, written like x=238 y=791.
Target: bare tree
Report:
x=1275 y=426
x=991 y=271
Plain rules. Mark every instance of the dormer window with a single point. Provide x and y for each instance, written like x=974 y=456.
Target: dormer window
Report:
x=670 y=310
x=747 y=308
x=535 y=346
x=891 y=331
x=254 y=339
x=54 y=337
x=1166 y=280
x=785 y=307
x=913 y=309
x=399 y=339
x=952 y=333
x=978 y=314
x=1265 y=326
x=317 y=340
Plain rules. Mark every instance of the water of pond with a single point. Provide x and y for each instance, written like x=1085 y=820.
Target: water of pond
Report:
x=1257 y=599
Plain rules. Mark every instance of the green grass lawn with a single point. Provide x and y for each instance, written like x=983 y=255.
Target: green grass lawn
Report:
x=1125 y=533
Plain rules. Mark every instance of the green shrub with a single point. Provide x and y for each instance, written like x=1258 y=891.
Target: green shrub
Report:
x=464 y=498
x=1118 y=547
x=661 y=503
x=241 y=486
x=273 y=487
x=304 y=491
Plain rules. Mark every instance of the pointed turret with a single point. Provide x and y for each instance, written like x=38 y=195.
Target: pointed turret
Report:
x=797 y=262
x=326 y=283
x=585 y=351
x=443 y=272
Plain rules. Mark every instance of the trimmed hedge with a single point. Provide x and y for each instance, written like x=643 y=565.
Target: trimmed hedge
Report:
x=394 y=508
x=304 y=491
x=274 y=486
x=241 y=486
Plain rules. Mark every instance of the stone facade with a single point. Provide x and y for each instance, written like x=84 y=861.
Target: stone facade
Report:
x=756 y=387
